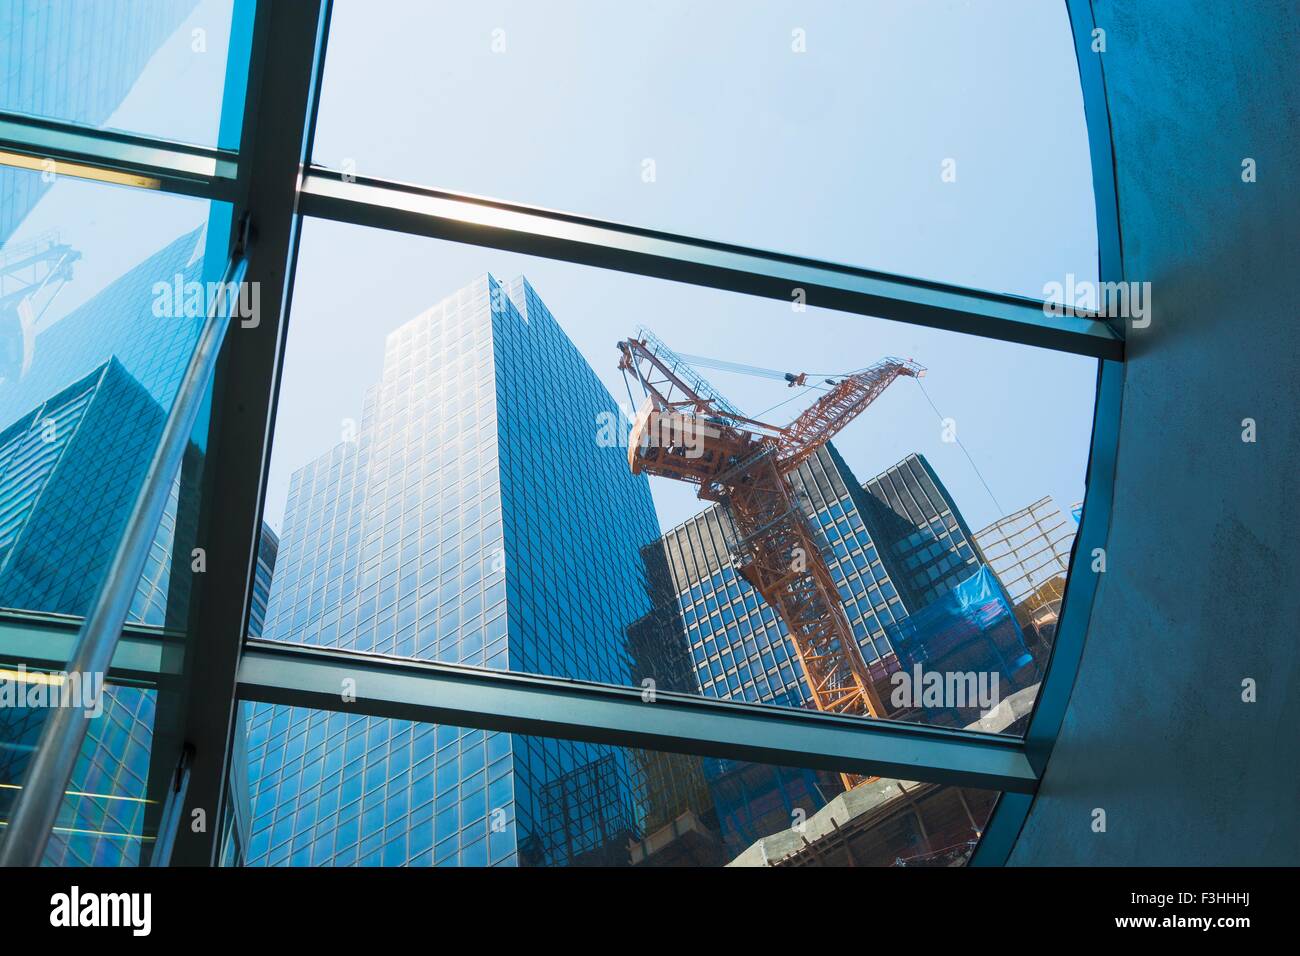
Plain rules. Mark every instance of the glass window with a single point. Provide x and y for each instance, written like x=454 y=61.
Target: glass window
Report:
x=563 y=803
x=174 y=69
x=104 y=816
x=103 y=291
x=887 y=136
x=594 y=562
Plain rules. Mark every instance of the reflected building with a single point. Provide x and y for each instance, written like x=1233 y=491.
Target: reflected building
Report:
x=66 y=62
x=475 y=519
x=55 y=544
x=81 y=427
x=56 y=540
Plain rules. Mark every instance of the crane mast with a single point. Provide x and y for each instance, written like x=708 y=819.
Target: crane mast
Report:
x=685 y=431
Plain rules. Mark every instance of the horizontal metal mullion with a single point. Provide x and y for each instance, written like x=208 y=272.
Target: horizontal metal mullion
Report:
x=422 y=691
x=108 y=156
x=394 y=206
x=41 y=641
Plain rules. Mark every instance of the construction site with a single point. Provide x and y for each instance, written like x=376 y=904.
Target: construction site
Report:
x=710 y=812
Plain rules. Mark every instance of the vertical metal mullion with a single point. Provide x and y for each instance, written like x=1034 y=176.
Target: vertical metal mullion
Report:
x=288 y=52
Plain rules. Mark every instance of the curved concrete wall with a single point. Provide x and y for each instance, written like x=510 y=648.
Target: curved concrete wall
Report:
x=1202 y=588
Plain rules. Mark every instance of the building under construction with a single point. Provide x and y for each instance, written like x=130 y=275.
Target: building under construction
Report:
x=888 y=559
x=1029 y=550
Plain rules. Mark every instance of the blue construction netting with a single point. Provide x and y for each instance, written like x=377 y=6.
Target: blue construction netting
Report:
x=971 y=629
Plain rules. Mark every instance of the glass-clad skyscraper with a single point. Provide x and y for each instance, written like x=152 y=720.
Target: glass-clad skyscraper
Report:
x=55 y=541
x=924 y=538
x=268 y=548
x=55 y=544
x=476 y=518
x=737 y=646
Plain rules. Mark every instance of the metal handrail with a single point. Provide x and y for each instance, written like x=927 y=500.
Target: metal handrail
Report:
x=61 y=738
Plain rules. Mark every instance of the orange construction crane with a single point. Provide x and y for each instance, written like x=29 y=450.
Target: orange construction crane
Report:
x=684 y=430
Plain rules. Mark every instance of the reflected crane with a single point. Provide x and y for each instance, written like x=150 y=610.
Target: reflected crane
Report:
x=31 y=276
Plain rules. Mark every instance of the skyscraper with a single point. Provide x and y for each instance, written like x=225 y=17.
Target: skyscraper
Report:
x=711 y=633
x=477 y=519
x=268 y=548
x=923 y=537
x=118 y=322
x=55 y=541
x=736 y=643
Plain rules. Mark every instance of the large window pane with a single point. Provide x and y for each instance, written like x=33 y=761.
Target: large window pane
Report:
x=450 y=481
x=174 y=69
x=330 y=789
x=102 y=295
x=103 y=291
x=937 y=139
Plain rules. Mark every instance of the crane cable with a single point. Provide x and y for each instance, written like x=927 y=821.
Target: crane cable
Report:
x=960 y=445
x=773 y=374
x=787 y=401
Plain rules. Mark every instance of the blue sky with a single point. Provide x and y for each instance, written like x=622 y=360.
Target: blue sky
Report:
x=835 y=152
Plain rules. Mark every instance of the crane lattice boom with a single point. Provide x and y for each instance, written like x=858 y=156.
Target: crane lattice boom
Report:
x=687 y=432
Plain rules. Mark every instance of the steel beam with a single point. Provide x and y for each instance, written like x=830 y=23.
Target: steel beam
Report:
x=304 y=676
x=68 y=149
x=41 y=641
x=287 y=53
x=542 y=232
x=299 y=675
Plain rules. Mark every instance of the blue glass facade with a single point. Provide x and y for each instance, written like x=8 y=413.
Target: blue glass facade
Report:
x=55 y=539
x=476 y=519
x=153 y=351
x=924 y=538
x=268 y=548
x=891 y=545
x=738 y=647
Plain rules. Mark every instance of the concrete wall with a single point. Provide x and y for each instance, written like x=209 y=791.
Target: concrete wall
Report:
x=1203 y=581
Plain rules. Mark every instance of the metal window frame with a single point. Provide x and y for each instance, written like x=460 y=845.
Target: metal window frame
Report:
x=271 y=181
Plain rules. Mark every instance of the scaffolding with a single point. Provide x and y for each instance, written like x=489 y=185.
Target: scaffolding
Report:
x=1029 y=550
